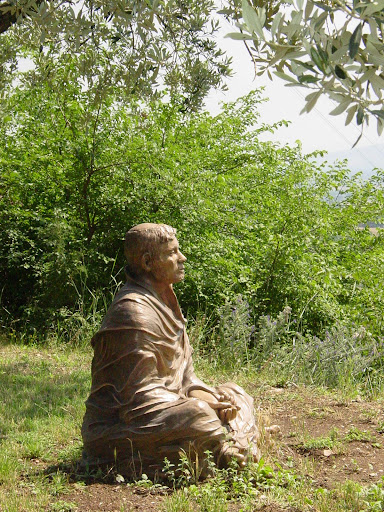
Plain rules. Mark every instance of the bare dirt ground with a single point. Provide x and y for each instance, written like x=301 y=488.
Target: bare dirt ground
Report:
x=357 y=451
x=333 y=440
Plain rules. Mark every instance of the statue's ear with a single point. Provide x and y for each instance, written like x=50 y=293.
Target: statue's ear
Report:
x=146 y=262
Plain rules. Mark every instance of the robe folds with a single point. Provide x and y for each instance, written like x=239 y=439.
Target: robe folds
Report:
x=139 y=410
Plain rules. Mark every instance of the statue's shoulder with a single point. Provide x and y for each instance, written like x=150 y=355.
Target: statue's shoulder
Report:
x=132 y=308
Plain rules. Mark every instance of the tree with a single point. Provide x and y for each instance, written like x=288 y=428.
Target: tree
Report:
x=332 y=47
x=144 y=45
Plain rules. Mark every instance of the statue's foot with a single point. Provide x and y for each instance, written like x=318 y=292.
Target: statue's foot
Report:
x=273 y=430
x=230 y=452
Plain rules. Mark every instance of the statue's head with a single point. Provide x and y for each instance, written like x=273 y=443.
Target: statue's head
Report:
x=153 y=250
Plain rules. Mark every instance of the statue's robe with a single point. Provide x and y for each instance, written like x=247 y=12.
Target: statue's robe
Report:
x=139 y=410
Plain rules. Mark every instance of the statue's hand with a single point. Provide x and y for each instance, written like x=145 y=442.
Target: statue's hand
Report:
x=229 y=409
x=221 y=402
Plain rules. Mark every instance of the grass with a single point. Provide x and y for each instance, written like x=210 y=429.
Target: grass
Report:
x=355 y=434
x=331 y=441
x=43 y=389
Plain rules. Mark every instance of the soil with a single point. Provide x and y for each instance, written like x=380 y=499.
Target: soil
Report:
x=358 y=450
x=354 y=451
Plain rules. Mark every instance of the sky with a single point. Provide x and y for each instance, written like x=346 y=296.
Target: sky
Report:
x=316 y=130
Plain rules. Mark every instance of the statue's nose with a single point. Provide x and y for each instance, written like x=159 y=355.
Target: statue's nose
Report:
x=182 y=257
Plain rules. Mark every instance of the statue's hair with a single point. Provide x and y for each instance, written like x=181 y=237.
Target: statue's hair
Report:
x=145 y=238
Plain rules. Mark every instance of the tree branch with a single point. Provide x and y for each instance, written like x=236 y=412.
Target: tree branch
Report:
x=8 y=16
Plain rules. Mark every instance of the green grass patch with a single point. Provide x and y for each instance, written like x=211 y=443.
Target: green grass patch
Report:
x=42 y=391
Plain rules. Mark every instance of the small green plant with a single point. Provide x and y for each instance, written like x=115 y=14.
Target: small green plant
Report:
x=355 y=434
x=57 y=483
x=179 y=502
x=186 y=472
x=373 y=497
x=331 y=441
x=63 y=506
x=144 y=482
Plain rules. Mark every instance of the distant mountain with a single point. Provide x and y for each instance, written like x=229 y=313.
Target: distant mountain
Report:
x=363 y=159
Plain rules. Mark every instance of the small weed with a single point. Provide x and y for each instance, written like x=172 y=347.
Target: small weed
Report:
x=320 y=413
x=57 y=483
x=145 y=483
x=331 y=442
x=63 y=506
x=187 y=472
x=355 y=466
x=368 y=416
x=179 y=502
x=355 y=434
x=373 y=496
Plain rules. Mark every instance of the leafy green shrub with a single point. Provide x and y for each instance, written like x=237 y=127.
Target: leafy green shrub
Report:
x=254 y=218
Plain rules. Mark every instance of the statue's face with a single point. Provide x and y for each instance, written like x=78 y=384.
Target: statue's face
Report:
x=168 y=264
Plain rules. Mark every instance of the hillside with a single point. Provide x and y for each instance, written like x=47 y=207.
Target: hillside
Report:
x=361 y=159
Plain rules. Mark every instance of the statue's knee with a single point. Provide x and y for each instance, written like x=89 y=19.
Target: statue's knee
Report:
x=202 y=407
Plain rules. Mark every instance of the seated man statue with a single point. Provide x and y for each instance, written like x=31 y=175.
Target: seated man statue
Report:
x=146 y=402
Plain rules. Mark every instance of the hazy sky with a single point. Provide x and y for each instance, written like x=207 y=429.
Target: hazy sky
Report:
x=316 y=130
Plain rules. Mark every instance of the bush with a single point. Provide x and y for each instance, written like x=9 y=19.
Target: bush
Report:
x=254 y=218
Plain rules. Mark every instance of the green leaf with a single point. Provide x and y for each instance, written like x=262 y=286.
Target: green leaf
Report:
x=252 y=19
x=380 y=127
x=275 y=23
x=354 y=42
x=358 y=139
x=311 y=101
x=373 y=7
x=308 y=79
x=351 y=113
x=323 y=6
x=308 y=9
x=378 y=113
x=340 y=73
x=360 y=116
x=320 y=20
x=341 y=108
x=286 y=77
x=238 y=36
x=317 y=59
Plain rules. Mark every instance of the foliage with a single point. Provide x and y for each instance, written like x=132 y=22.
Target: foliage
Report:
x=227 y=485
x=331 y=47
x=253 y=218
x=273 y=332
x=331 y=441
x=143 y=45
x=346 y=356
x=223 y=484
x=354 y=434
x=373 y=496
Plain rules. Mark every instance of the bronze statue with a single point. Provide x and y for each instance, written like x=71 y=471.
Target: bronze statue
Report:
x=146 y=402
